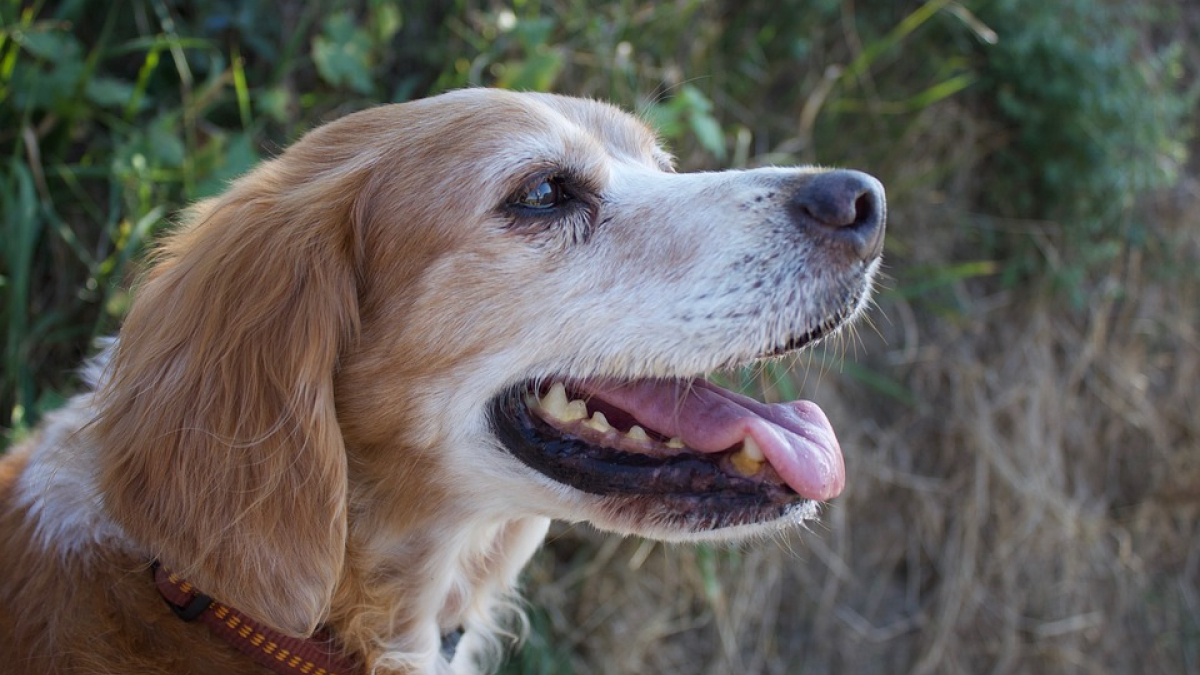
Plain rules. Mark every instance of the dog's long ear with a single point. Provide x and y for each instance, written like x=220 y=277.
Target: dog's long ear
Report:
x=221 y=451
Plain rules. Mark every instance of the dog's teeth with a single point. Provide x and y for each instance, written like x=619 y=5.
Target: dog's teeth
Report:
x=637 y=433
x=599 y=422
x=675 y=442
x=749 y=460
x=575 y=410
x=751 y=449
x=554 y=403
x=745 y=465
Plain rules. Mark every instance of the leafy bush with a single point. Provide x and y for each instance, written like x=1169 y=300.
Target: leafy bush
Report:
x=1090 y=119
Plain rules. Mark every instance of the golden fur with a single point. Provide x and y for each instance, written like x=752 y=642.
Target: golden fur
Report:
x=291 y=414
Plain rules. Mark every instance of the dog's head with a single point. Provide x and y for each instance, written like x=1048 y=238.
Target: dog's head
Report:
x=474 y=307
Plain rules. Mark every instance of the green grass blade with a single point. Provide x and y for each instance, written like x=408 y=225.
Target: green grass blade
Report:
x=22 y=230
x=902 y=30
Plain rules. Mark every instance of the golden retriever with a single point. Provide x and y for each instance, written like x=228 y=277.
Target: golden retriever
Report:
x=353 y=390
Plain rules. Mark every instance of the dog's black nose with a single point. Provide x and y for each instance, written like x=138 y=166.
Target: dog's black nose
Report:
x=847 y=207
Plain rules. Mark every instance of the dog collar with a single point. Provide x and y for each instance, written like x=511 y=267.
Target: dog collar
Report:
x=317 y=655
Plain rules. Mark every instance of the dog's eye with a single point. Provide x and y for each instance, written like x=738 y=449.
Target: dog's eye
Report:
x=544 y=194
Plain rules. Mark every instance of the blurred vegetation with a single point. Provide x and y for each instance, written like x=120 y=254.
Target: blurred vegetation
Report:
x=1020 y=141
x=1092 y=121
x=115 y=114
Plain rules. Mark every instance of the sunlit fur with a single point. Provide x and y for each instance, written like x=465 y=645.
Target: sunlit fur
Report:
x=293 y=415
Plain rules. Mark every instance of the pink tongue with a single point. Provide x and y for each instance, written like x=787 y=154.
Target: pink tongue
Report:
x=795 y=437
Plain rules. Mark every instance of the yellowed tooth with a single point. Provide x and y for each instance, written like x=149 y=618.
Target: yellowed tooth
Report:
x=554 y=403
x=575 y=410
x=599 y=422
x=749 y=460
x=675 y=442
x=637 y=433
x=750 y=447
x=745 y=465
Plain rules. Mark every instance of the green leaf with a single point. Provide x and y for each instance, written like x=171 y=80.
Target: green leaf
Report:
x=22 y=226
x=691 y=98
x=51 y=45
x=386 y=20
x=696 y=108
x=275 y=103
x=166 y=148
x=708 y=132
x=108 y=92
x=935 y=277
x=342 y=54
x=37 y=89
x=534 y=33
x=536 y=73
x=239 y=156
x=881 y=383
x=664 y=118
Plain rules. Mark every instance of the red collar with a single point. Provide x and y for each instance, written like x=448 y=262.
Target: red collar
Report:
x=318 y=655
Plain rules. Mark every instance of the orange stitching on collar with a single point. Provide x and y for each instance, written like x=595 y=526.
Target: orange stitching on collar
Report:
x=318 y=655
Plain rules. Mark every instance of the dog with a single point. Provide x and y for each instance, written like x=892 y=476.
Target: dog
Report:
x=353 y=390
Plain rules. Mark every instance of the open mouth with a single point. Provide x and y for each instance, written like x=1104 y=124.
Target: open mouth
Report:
x=682 y=452
x=705 y=456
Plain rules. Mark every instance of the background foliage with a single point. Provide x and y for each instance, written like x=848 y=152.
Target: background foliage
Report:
x=1024 y=488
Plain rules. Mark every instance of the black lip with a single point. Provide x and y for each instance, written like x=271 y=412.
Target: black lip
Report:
x=829 y=325
x=688 y=487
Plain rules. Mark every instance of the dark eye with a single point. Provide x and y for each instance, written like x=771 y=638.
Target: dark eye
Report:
x=544 y=194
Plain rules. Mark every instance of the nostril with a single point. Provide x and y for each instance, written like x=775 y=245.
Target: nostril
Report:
x=866 y=208
x=848 y=206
